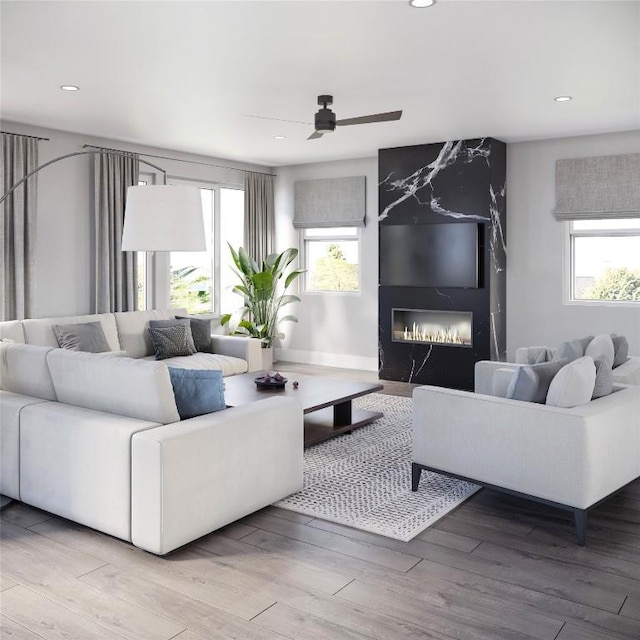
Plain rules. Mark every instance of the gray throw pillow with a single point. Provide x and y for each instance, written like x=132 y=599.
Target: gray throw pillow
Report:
x=170 y=342
x=620 y=350
x=201 y=331
x=604 y=378
x=572 y=349
x=83 y=336
x=161 y=324
x=531 y=382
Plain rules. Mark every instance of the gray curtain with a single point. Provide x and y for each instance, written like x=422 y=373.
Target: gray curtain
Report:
x=116 y=286
x=18 y=156
x=259 y=215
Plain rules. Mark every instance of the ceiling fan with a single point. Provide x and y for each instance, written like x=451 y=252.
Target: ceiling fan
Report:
x=325 y=119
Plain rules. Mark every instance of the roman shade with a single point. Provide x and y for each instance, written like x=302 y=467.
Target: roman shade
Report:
x=601 y=187
x=331 y=202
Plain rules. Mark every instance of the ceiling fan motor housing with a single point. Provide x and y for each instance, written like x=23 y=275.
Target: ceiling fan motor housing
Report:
x=325 y=120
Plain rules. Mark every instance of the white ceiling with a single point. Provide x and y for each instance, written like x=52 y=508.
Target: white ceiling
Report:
x=185 y=75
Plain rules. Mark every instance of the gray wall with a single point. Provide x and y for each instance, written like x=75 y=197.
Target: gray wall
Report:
x=64 y=253
x=536 y=314
x=337 y=329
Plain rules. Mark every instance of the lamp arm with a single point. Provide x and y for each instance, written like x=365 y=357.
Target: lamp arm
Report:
x=77 y=153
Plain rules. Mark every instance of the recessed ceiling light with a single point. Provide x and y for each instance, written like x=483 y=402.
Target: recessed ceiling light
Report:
x=563 y=98
x=69 y=87
x=421 y=4
x=280 y=137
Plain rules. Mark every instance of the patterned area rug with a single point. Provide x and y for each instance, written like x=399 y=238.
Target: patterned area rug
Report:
x=363 y=479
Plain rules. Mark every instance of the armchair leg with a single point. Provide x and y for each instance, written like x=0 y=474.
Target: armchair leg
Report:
x=580 y=517
x=416 y=472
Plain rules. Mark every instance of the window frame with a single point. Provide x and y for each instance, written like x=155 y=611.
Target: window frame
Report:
x=568 y=276
x=302 y=243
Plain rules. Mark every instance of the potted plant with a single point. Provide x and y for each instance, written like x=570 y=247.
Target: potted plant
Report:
x=260 y=288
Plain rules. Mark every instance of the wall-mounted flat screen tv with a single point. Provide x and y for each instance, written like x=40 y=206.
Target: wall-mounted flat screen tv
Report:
x=430 y=255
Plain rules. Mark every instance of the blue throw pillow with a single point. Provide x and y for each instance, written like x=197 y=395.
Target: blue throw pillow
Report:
x=197 y=391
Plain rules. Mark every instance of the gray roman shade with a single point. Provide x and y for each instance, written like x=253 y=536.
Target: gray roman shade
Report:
x=602 y=187
x=331 y=202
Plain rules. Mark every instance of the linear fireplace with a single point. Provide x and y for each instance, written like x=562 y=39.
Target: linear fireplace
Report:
x=447 y=328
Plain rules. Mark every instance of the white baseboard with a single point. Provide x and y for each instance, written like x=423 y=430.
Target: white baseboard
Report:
x=325 y=359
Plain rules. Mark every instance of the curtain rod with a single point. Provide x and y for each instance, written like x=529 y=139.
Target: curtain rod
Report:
x=207 y=164
x=23 y=135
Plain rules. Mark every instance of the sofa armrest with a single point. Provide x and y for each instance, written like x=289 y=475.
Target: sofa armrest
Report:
x=574 y=456
x=192 y=477
x=628 y=372
x=248 y=349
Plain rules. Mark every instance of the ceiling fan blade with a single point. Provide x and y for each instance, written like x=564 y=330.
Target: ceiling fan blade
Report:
x=249 y=115
x=376 y=117
x=315 y=134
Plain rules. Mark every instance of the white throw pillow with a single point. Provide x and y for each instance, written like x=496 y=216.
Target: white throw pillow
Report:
x=601 y=347
x=573 y=384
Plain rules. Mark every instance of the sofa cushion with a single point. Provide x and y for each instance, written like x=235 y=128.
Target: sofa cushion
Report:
x=123 y=386
x=573 y=385
x=197 y=391
x=620 y=349
x=40 y=331
x=533 y=355
x=132 y=329
x=603 y=385
x=24 y=370
x=601 y=347
x=572 y=349
x=12 y=330
x=201 y=331
x=175 y=322
x=229 y=365
x=81 y=336
x=169 y=342
x=531 y=382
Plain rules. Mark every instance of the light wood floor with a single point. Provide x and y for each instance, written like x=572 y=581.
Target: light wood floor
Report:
x=496 y=568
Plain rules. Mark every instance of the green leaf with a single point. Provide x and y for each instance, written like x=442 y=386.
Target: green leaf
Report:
x=245 y=262
x=288 y=299
x=288 y=319
x=292 y=276
x=224 y=318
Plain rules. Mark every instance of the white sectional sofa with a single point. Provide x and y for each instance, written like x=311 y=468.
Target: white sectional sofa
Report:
x=96 y=438
x=572 y=458
x=127 y=331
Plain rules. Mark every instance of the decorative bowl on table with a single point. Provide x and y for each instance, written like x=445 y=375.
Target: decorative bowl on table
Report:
x=270 y=381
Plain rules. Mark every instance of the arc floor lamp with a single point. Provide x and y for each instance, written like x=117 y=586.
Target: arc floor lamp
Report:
x=157 y=217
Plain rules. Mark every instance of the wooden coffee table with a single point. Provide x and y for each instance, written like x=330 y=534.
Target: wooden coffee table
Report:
x=326 y=402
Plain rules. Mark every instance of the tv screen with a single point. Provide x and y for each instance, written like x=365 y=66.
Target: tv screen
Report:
x=429 y=255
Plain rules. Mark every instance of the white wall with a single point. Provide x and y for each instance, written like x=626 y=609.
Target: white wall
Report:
x=340 y=329
x=336 y=329
x=64 y=249
x=536 y=314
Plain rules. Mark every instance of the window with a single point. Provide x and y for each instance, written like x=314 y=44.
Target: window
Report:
x=200 y=281
x=605 y=260
x=191 y=272
x=331 y=258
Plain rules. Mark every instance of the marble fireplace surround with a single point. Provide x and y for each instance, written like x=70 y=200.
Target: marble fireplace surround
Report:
x=447 y=182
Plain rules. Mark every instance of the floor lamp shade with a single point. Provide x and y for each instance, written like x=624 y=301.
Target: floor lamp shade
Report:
x=163 y=218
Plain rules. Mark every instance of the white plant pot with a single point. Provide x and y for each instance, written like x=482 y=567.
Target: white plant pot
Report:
x=267 y=358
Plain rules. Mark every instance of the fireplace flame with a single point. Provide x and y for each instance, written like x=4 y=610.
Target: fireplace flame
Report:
x=446 y=335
